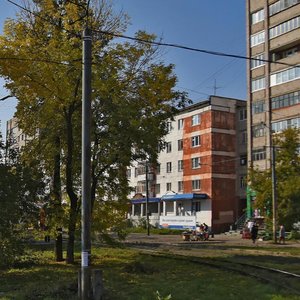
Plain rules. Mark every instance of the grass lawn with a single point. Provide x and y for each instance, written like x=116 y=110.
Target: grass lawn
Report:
x=129 y=275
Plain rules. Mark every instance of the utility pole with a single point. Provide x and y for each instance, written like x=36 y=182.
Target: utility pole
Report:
x=147 y=199
x=274 y=194
x=85 y=277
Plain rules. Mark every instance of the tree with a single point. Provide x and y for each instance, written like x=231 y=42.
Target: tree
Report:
x=21 y=192
x=133 y=96
x=287 y=162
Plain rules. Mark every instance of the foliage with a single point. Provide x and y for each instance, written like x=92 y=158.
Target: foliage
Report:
x=294 y=235
x=132 y=97
x=21 y=189
x=159 y=297
x=287 y=179
x=154 y=230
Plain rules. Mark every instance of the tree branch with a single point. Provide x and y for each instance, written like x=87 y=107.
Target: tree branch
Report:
x=6 y=97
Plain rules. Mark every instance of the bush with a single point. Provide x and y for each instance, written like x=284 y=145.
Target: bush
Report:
x=10 y=252
x=159 y=297
x=154 y=230
x=294 y=235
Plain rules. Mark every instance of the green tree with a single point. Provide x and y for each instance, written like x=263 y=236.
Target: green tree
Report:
x=133 y=95
x=287 y=168
x=21 y=194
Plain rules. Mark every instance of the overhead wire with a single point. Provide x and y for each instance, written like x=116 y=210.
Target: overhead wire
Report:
x=178 y=46
x=172 y=45
x=37 y=60
x=136 y=39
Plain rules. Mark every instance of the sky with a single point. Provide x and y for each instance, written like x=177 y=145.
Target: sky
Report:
x=214 y=25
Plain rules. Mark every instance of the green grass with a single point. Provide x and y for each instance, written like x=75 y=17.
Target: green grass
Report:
x=130 y=275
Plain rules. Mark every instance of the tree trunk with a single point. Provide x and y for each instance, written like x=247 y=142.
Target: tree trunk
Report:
x=57 y=199
x=59 y=245
x=70 y=189
x=71 y=231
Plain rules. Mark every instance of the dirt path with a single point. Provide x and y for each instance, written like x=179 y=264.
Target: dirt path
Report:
x=218 y=240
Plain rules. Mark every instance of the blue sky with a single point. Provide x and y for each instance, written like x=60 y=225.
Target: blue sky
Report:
x=216 y=25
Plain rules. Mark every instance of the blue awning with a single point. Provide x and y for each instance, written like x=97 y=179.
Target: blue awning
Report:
x=143 y=200
x=191 y=196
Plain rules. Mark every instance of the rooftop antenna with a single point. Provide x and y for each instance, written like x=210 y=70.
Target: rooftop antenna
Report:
x=215 y=87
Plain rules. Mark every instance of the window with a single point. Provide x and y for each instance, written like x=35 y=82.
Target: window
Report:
x=257 y=16
x=258 y=84
x=289 y=52
x=284 y=27
x=169 y=126
x=180 y=165
x=243 y=140
x=196 y=206
x=169 y=186
x=196 y=184
x=141 y=187
x=281 y=5
x=243 y=114
x=140 y=170
x=259 y=155
x=258 y=107
x=169 y=167
x=243 y=181
x=180 y=145
x=282 y=125
x=169 y=147
x=285 y=53
x=258 y=130
x=157 y=188
x=128 y=173
x=257 y=61
x=286 y=100
x=243 y=160
x=180 y=186
x=196 y=141
x=257 y=38
x=158 y=169
x=180 y=124
x=285 y=76
x=195 y=120
x=196 y=163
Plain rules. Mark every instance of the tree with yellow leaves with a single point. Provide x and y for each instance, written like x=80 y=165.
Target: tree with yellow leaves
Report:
x=132 y=97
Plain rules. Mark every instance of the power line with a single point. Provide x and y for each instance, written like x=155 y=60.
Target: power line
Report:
x=178 y=46
x=43 y=18
x=216 y=53
x=37 y=60
x=191 y=90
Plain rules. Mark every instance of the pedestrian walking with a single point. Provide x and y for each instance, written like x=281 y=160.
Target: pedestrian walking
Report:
x=281 y=234
x=254 y=232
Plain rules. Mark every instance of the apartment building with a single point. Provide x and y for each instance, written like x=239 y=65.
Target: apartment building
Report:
x=273 y=28
x=14 y=135
x=201 y=173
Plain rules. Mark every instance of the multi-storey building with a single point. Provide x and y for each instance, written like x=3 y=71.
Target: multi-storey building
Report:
x=201 y=173
x=273 y=74
x=15 y=137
